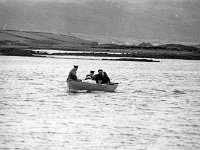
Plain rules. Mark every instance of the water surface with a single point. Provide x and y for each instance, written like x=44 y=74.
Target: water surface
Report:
x=156 y=106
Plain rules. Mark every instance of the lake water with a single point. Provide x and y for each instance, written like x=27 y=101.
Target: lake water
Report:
x=155 y=107
x=72 y=51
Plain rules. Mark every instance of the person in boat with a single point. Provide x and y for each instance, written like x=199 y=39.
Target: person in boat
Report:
x=72 y=74
x=89 y=76
x=101 y=77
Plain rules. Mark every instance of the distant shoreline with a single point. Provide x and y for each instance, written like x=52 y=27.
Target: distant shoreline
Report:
x=24 y=43
x=142 y=54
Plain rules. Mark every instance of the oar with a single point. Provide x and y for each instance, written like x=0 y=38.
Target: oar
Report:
x=112 y=83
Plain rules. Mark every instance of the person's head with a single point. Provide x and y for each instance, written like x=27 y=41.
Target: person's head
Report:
x=76 y=67
x=100 y=71
x=91 y=73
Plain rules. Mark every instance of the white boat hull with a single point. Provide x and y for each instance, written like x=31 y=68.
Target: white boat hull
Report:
x=75 y=86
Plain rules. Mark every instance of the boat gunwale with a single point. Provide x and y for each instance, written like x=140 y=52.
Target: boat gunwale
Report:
x=79 y=85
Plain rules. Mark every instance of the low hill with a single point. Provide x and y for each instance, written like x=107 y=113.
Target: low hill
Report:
x=29 y=39
x=198 y=46
x=180 y=47
x=13 y=42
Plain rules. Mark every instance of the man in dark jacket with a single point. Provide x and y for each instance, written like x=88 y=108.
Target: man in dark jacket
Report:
x=101 y=77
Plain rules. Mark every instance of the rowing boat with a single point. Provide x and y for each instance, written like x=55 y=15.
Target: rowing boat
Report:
x=76 y=86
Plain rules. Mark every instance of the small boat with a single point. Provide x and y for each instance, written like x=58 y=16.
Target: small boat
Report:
x=76 y=86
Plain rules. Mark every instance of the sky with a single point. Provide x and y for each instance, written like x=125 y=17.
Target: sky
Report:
x=143 y=20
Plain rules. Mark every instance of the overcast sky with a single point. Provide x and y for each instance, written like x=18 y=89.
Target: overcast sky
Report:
x=131 y=1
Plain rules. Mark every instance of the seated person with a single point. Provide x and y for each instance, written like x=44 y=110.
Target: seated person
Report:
x=72 y=74
x=101 y=77
x=89 y=76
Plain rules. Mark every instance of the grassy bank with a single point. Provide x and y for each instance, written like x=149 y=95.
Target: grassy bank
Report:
x=14 y=42
x=159 y=54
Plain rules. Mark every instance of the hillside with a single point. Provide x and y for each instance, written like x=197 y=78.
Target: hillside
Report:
x=197 y=46
x=169 y=21
x=180 y=47
x=29 y=39
x=14 y=42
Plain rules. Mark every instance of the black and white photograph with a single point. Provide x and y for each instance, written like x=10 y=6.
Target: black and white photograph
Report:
x=99 y=74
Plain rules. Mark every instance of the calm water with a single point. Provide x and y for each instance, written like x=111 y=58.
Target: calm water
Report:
x=155 y=107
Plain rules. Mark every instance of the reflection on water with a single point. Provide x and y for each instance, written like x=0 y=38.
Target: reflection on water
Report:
x=156 y=106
